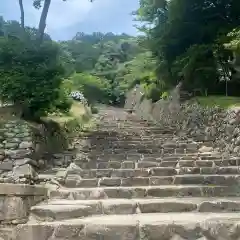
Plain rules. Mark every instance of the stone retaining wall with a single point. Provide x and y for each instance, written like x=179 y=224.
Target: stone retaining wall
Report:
x=16 y=200
x=26 y=148
x=15 y=203
x=16 y=148
x=218 y=127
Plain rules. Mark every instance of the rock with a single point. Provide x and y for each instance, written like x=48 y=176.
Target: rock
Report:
x=9 y=135
x=18 y=154
x=205 y=149
x=20 y=162
x=25 y=145
x=10 y=145
x=62 y=174
x=24 y=171
x=6 y=166
x=41 y=163
x=73 y=166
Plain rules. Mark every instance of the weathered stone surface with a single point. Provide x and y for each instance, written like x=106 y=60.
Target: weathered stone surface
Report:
x=35 y=232
x=18 y=154
x=132 y=227
x=110 y=182
x=146 y=181
x=25 y=145
x=26 y=171
x=6 y=165
x=59 y=212
x=22 y=190
x=14 y=208
x=122 y=207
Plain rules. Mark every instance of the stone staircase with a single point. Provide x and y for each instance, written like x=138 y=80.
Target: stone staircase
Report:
x=133 y=180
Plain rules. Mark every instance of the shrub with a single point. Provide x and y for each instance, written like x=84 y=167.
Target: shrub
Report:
x=30 y=75
x=94 y=110
x=92 y=87
x=63 y=103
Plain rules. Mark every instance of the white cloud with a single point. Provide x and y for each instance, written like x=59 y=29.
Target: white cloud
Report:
x=61 y=14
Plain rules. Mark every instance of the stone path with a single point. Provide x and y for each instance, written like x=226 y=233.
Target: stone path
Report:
x=136 y=181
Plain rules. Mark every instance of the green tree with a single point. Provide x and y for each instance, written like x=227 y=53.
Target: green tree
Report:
x=30 y=75
x=103 y=56
x=173 y=27
x=94 y=88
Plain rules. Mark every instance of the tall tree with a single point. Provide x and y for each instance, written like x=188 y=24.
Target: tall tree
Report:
x=43 y=18
x=186 y=36
x=22 y=14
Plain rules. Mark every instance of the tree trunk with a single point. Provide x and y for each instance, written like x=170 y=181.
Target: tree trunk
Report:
x=42 y=22
x=22 y=14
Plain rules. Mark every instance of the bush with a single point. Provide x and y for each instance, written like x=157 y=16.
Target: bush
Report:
x=30 y=76
x=63 y=103
x=94 y=110
x=92 y=87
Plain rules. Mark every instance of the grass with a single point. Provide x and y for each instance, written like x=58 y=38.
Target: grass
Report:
x=63 y=128
x=77 y=112
x=220 y=101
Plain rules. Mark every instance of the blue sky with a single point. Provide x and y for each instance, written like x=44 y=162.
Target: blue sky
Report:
x=67 y=18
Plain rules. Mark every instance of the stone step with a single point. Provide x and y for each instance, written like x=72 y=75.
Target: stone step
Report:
x=156 y=157
x=53 y=212
x=75 y=181
x=146 y=163
x=110 y=155
x=134 y=156
x=140 y=141
x=101 y=163
x=160 y=151
x=145 y=192
x=127 y=151
x=94 y=139
x=66 y=209
x=147 y=172
x=151 y=226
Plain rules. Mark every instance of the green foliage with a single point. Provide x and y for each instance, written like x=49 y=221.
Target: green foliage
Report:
x=63 y=103
x=221 y=101
x=187 y=38
x=91 y=63
x=103 y=56
x=141 y=70
x=94 y=109
x=94 y=88
x=234 y=43
x=198 y=68
x=30 y=75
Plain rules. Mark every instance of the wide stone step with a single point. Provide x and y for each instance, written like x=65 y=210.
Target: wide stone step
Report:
x=140 y=142
x=67 y=209
x=186 y=163
x=128 y=151
x=158 y=159
x=130 y=171
x=123 y=162
x=145 y=192
x=152 y=226
x=75 y=181
x=53 y=212
x=159 y=150
x=127 y=172
x=133 y=156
